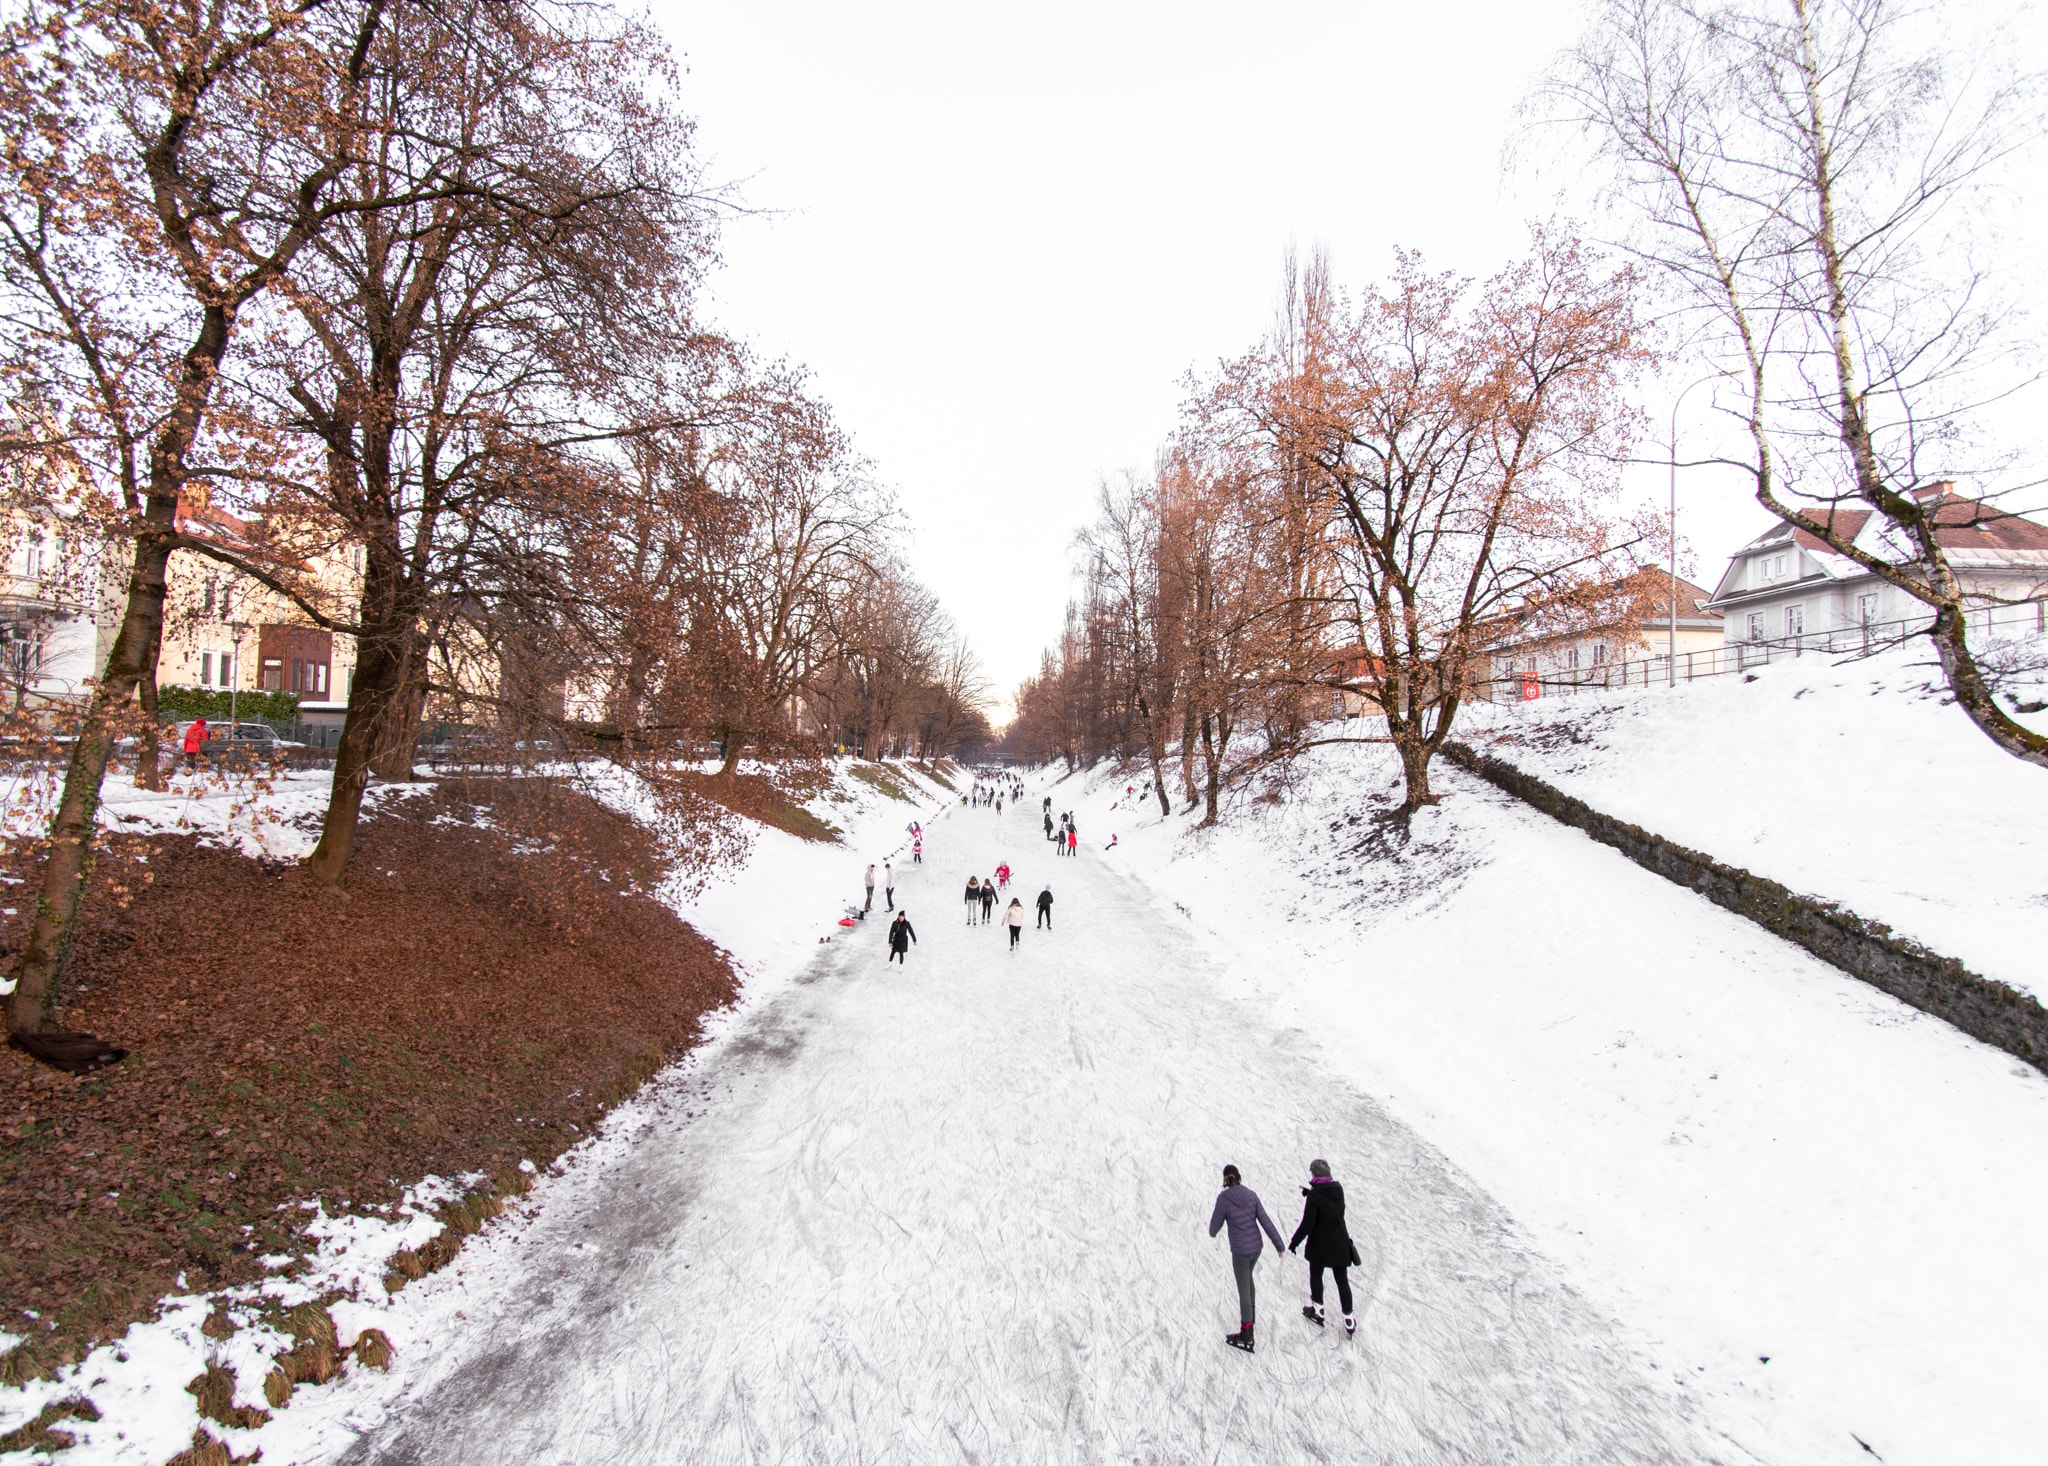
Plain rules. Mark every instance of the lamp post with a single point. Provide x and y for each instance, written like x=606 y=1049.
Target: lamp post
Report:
x=240 y=629
x=1671 y=444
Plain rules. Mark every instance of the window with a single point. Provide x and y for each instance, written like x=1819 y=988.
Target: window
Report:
x=1795 y=620
x=320 y=678
x=2041 y=615
x=32 y=557
x=1571 y=658
x=206 y=669
x=1599 y=653
x=206 y=600
x=1866 y=609
x=1756 y=626
x=273 y=674
x=1528 y=664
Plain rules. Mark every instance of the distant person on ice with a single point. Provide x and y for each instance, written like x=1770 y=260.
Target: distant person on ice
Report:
x=871 y=891
x=1045 y=908
x=1329 y=1244
x=1238 y=1206
x=988 y=898
x=1073 y=841
x=973 y=898
x=889 y=882
x=917 y=851
x=900 y=937
x=1016 y=917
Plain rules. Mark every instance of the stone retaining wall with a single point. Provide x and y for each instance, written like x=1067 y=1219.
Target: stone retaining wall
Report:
x=1984 y=1009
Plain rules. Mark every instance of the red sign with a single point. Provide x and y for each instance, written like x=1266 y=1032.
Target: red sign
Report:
x=1532 y=688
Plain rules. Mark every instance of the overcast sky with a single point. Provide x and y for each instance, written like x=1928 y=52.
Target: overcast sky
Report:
x=1000 y=239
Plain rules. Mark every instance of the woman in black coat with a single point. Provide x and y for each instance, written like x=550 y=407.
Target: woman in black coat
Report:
x=1329 y=1244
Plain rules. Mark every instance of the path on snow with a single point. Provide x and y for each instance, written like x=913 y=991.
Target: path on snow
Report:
x=956 y=1211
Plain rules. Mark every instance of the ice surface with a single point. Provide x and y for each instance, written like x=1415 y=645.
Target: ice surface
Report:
x=955 y=1210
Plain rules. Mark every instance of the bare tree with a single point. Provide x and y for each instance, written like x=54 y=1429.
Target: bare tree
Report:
x=170 y=163
x=1804 y=172
x=1465 y=446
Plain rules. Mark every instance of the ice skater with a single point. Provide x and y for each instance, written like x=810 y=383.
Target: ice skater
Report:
x=889 y=883
x=1329 y=1244
x=1016 y=919
x=1045 y=908
x=988 y=899
x=973 y=898
x=1239 y=1206
x=917 y=851
x=901 y=935
x=870 y=906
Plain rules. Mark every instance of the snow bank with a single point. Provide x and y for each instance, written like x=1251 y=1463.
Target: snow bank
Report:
x=1853 y=781
x=1822 y=1203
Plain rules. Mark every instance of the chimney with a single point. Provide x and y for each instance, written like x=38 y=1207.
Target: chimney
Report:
x=1927 y=493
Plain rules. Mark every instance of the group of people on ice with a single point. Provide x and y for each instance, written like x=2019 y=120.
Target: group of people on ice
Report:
x=993 y=792
x=1066 y=840
x=981 y=903
x=1328 y=1245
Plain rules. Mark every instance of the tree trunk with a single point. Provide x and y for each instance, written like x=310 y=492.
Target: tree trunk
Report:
x=387 y=621
x=1210 y=759
x=1975 y=699
x=1155 y=751
x=149 y=772
x=1415 y=755
x=395 y=739
x=69 y=867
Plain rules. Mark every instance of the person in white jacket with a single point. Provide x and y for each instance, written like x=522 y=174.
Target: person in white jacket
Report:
x=870 y=906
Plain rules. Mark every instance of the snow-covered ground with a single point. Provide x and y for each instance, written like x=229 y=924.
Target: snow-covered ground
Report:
x=770 y=915
x=1741 y=1151
x=1852 y=780
x=955 y=1209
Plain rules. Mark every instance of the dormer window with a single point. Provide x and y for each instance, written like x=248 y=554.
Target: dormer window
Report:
x=1773 y=567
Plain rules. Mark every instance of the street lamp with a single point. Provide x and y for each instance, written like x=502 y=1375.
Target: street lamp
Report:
x=1671 y=443
x=240 y=629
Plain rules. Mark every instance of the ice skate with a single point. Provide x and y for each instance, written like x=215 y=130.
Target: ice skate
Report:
x=1313 y=1312
x=1242 y=1339
x=1350 y=1325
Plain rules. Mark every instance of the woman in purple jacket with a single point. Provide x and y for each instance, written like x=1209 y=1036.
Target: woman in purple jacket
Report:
x=1240 y=1206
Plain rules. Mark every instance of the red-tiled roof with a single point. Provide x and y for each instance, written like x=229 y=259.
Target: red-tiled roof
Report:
x=1845 y=523
x=1959 y=524
x=1970 y=524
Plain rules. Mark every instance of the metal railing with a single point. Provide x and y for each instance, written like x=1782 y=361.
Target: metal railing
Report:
x=1528 y=686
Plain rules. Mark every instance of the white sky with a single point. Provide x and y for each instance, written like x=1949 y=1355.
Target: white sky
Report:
x=1000 y=239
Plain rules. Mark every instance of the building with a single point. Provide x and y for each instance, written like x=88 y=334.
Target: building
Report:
x=224 y=630
x=1525 y=654
x=1787 y=587
x=50 y=609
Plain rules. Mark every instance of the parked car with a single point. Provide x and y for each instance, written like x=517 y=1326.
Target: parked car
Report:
x=242 y=743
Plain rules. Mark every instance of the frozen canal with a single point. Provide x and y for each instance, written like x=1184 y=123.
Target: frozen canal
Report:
x=956 y=1211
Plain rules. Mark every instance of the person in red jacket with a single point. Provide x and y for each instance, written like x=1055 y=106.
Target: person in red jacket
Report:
x=195 y=736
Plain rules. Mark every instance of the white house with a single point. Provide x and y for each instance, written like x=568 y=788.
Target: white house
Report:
x=1787 y=586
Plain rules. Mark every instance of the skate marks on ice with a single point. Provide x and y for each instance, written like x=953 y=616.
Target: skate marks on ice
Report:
x=955 y=1212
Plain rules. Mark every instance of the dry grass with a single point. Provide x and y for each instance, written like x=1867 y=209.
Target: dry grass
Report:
x=755 y=797
x=41 y=1433
x=473 y=1002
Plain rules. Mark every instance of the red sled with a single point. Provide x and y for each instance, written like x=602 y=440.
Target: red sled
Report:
x=848 y=921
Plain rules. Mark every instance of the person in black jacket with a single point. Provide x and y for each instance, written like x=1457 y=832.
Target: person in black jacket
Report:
x=1045 y=908
x=1329 y=1244
x=901 y=935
